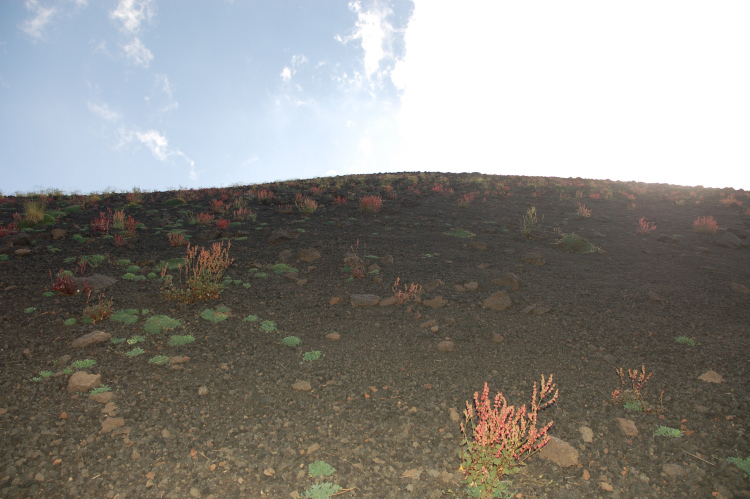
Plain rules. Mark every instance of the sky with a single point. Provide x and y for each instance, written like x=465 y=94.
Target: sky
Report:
x=164 y=94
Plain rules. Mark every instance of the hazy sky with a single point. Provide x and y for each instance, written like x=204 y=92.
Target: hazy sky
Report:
x=167 y=93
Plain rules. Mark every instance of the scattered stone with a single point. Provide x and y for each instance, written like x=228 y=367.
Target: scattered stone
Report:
x=586 y=475
x=673 y=469
x=728 y=240
x=433 y=285
x=39 y=477
x=498 y=301
x=387 y=302
x=302 y=386
x=540 y=310
x=740 y=288
x=285 y=255
x=22 y=252
x=654 y=297
x=428 y=324
x=510 y=280
x=81 y=381
x=335 y=300
x=587 y=434
x=91 y=339
x=98 y=282
x=437 y=302
x=606 y=486
x=627 y=427
x=497 y=338
x=459 y=289
x=701 y=249
x=135 y=455
x=178 y=360
x=110 y=424
x=454 y=415
x=194 y=492
x=471 y=286
x=559 y=452
x=63 y=360
x=484 y=266
x=103 y=397
x=3 y=411
x=527 y=310
x=333 y=336
x=445 y=346
x=711 y=377
x=203 y=391
x=478 y=246
x=58 y=234
x=281 y=236
x=63 y=415
x=166 y=433
x=309 y=255
x=534 y=258
x=312 y=448
x=364 y=300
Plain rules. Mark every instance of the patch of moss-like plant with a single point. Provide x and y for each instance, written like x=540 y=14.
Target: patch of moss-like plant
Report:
x=72 y=209
x=70 y=322
x=158 y=323
x=576 y=244
x=129 y=316
x=251 y=318
x=100 y=389
x=159 y=360
x=79 y=238
x=684 y=340
x=48 y=294
x=93 y=260
x=180 y=340
x=268 y=326
x=291 y=341
x=132 y=269
x=29 y=310
x=261 y=275
x=68 y=371
x=320 y=468
x=743 y=464
x=461 y=234
x=311 y=356
x=218 y=315
x=323 y=490
x=665 y=431
x=45 y=374
x=4 y=258
x=283 y=268
x=52 y=249
x=175 y=202
x=124 y=262
x=246 y=285
x=135 y=339
x=135 y=352
x=117 y=341
x=633 y=405
x=83 y=364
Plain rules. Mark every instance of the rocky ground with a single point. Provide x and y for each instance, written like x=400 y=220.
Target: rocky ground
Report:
x=598 y=276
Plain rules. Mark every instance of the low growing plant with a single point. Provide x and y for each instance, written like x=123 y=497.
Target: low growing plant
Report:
x=705 y=225
x=268 y=326
x=218 y=315
x=100 y=389
x=320 y=468
x=743 y=464
x=665 y=431
x=311 y=356
x=291 y=341
x=158 y=323
x=684 y=340
x=180 y=340
x=633 y=396
x=83 y=364
x=502 y=437
x=324 y=490
x=159 y=360
x=203 y=274
x=135 y=352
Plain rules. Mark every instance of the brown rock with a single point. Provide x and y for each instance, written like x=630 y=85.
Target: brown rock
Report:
x=627 y=427
x=285 y=255
x=471 y=286
x=740 y=288
x=498 y=301
x=433 y=285
x=110 y=424
x=497 y=338
x=333 y=336
x=478 y=246
x=22 y=252
x=459 y=289
x=586 y=475
x=302 y=386
x=534 y=258
x=281 y=236
x=445 y=346
x=606 y=486
x=436 y=302
x=484 y=266
x=335 y=300
x=540 y=310
x=428 y=324
x=81 y=381
x=711 y=377
x=178 y=360
x=91 y=339
x=386 y=302
x=309 y=255
x=510 y=280
x=58 y=234
x=364 y=300
x=103 y=397
x=559 y=452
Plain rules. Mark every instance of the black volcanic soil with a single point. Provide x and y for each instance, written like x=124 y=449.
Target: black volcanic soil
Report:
x=228 y=423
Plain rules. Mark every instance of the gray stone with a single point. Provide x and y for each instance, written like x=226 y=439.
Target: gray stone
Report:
x=498 y=301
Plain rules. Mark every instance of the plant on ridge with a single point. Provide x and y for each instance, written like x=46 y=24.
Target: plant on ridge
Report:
x=502 y=438
x=203 y=273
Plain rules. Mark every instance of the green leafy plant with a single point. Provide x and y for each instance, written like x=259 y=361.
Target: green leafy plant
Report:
x=630 y=397
x=159 y=360
x=79 y=238
x=633 y=405
x=460 y=233
x=282 y=268
x=261 y=275
x=93 y=260
x=29 y=310
x=320 y=468
x=83 y=364
x=180 y=340
x=70 y=322
x=268 y=326
x=250 y=318
x=100 y=389
x=684 y=340
x=529 y=222
x=46 y=374
x=291 y=341
x=135 y=352
x=665 y=431
x=502 y=438
x=577 y=244
x=203 y=274
x=158 y=323
x=218 y=315
x=129 y=316
x=311 y=356
x=743 y=464
x=133 y=340
x=323 y=490
x=68 y=371
x=117 y=341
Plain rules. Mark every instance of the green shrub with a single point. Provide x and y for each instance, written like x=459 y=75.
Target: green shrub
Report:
x=665 y=431
x=99 y=389
x=83 y=364
x=218 y=315
x=135 y=352
x=125 y=316
x=180 y=340
x=323 y=490
x=320 y=468
x=70 y=322
x=250 y=318
x=158 y=323
x=311 y=356
x=461 y=234
x=135 y=339
x=576 y=244
x=684 y=340
x=268 y=326
x=291 y=341
x=159 y=359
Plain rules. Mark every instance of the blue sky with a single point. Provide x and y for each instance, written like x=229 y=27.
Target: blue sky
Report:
x=164 y=94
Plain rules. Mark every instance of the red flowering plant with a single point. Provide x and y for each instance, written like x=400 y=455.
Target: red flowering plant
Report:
x=66 y=283
x=10 y=229
x=705 y=225
x=502 y=438
x=203 y=273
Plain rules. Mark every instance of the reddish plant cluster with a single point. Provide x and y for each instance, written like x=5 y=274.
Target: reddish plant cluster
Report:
x=370 y=204
x=203 y=273
x=218 y=206
x=99 y=312
x=265 y=196
x=203 y=218
x=243 y=214
x=66 y=283
x=466 y=199
x=339 y=200
x=129 y=226
x=645 y=227
x=103 y=223
x=410 y=293
x=10 y=229
x=222 y=224
x=177 y=239
x=119 y=240
x=705 y=225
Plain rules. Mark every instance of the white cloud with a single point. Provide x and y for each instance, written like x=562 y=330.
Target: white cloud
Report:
x=104 y=112
x=131 y=13
x=138 y=53
x=286 y=74
x=163 y=84
x=41 y=17
x=156 y=142
x=375 y=33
